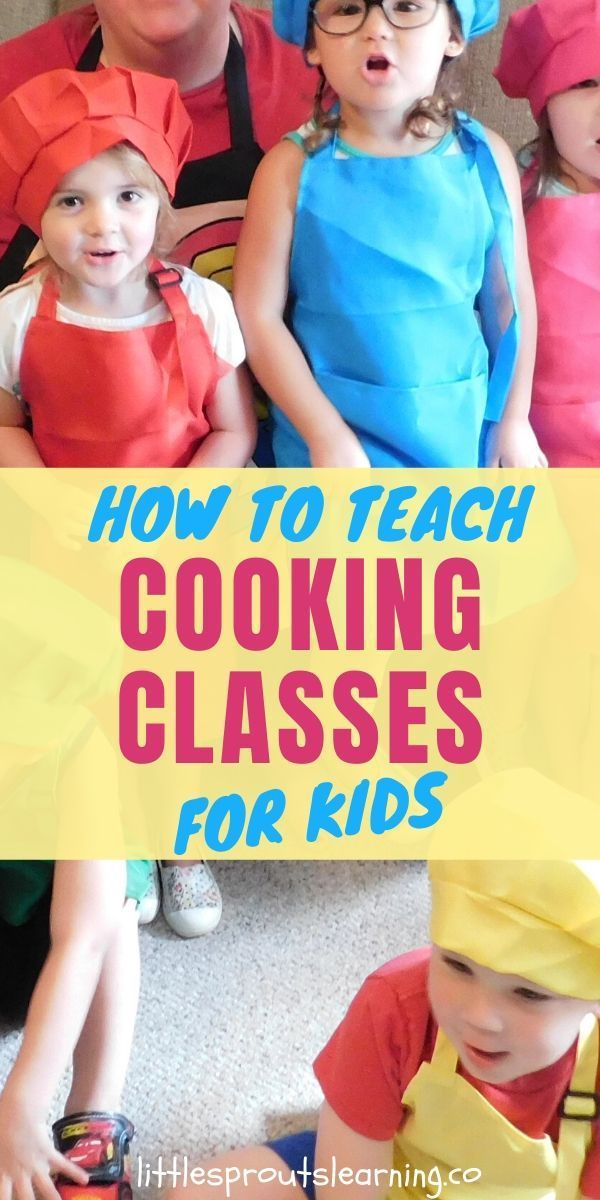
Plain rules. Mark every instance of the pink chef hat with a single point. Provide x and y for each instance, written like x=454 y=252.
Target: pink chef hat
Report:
x=57 y=121
x=547 y=48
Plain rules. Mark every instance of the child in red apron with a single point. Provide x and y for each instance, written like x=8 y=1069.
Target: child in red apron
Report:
x=109 y=358
x=469 y=1067
x=551 y=56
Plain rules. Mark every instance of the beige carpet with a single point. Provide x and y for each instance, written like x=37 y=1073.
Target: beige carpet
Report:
x=228 y=1025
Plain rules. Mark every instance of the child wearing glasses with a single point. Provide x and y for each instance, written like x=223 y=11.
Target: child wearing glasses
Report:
x=551 y=56
x=381 y=277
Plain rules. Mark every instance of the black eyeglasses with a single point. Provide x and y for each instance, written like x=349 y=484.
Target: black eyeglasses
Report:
x=341 y=17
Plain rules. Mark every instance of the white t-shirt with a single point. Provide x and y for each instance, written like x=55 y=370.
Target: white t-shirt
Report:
x=208 y=300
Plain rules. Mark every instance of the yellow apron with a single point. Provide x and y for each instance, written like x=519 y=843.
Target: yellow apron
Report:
x=451 y=1125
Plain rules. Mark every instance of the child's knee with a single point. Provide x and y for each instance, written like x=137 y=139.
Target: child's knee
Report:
x=90 y=941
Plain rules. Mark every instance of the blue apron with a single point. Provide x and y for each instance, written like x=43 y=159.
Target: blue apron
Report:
x=402 y=297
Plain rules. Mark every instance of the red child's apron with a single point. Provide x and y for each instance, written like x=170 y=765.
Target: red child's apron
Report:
x=564 y=249
x=119 y=398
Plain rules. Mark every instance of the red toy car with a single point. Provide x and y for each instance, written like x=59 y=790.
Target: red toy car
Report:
x=98 y=1142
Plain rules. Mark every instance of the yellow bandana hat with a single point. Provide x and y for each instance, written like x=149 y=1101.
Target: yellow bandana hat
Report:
x=539 y=920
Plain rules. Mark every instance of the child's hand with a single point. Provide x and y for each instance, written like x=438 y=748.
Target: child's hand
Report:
x=512 y=443
x=343 y=450
x=27 y=1156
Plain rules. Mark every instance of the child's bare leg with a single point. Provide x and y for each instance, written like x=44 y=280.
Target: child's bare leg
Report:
x=253 y=1173
x=87 y=901
x=102 y=1053
x=87 y=906
x=89 y=779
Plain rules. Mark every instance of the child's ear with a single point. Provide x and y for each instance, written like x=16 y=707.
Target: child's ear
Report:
x=312 y=56
x=455 y=46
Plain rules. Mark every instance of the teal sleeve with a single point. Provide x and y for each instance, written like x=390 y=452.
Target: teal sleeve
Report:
x=296 y=137
x=139 y=871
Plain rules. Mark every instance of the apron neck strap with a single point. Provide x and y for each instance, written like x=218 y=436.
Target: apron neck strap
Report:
x=579 y=1108
x=241 y=130
x=166 y=280
x=49 y=296
x=90 y=58
x=444 y=1057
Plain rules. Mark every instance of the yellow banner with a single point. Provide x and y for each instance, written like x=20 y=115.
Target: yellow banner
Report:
x=287 y=664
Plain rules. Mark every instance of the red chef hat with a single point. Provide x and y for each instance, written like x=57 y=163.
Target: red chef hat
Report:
x=57 y=121
x=548 y=48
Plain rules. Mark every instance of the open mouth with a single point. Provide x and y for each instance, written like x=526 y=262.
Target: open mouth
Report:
x=486 y=1056
x=102 y=253
x=377 y=62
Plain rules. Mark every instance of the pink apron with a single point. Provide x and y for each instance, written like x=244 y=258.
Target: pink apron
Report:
x=564 y=249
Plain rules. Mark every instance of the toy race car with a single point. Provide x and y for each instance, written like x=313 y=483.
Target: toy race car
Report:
x=99 y=1143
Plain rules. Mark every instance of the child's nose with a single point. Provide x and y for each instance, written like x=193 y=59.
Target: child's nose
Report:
x=376 y=23
x=101 y=217
x=484 y=1013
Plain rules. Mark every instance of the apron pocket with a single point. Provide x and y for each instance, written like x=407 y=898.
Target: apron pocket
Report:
x=433 y=426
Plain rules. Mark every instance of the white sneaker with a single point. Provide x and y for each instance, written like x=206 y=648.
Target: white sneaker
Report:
x=150 y=902
x=191 y=900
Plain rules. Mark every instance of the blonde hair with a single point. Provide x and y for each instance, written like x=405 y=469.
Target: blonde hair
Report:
x=141 y=172
x=438 y=109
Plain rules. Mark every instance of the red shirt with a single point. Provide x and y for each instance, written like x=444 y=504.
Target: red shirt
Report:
x=389 y=1031
x=281 y=90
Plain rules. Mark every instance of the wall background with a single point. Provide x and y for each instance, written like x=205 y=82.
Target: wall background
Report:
x=482 y=95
